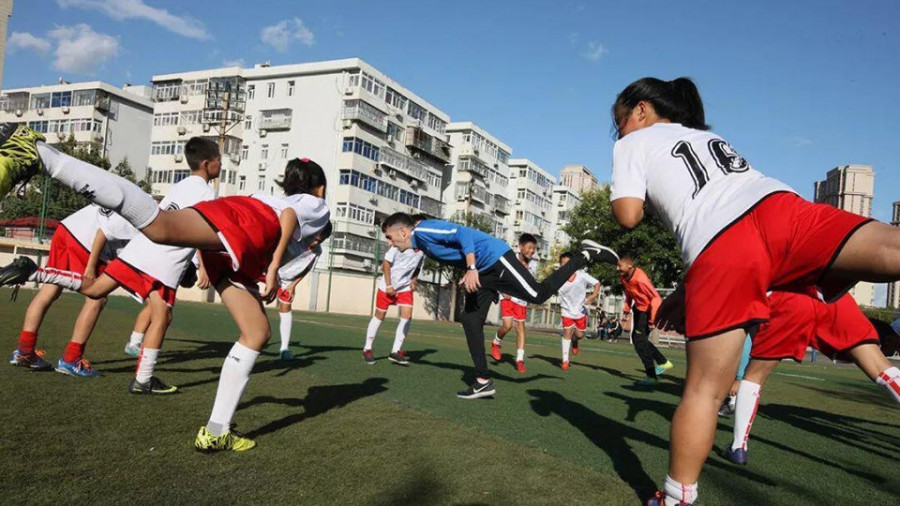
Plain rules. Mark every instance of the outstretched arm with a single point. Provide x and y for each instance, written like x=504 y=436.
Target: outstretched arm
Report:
x=593 y=296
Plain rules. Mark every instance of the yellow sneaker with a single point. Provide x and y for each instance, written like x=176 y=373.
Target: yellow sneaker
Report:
x=660 y=369
x=230 y=441
x=19 y=158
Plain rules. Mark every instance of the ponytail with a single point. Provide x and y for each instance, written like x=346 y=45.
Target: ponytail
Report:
x=302 y=175
x=677 y=101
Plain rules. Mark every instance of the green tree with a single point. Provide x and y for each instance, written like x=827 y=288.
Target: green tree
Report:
x=650 y=243
x=552 y=262
x=60 y=201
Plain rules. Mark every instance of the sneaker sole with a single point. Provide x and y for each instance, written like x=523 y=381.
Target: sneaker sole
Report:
x=478 y=395
x=589 y=244
x=398 y=362
x=67 y=373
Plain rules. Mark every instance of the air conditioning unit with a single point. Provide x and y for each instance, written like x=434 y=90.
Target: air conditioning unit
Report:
x=349 y=90
x=40 y=112
x=263 y=132
x=19 y=112
x=390 y=141
x=346 y=123
x=392 y=174
x=206 y=127
x=460 y=198
x=417 y=156
x=235 y=159
x=65 y=110
x=179 y=158
x=373 y=201
x=413 y=184
x=517 y=223
x=182 y=130
x=184 y=99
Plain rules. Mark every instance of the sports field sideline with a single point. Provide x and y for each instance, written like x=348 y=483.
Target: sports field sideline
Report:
x=332 y=430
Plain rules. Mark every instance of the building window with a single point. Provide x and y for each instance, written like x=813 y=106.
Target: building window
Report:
x=84 y=97
x=248 y=122
x=361 y=147
x=180 y=175
x=251 y=91
x=270 y=90
x=261 y=185
x=61 y=99
x=394 y=131
x=243 y=183
x=284 y=151
x=290 y=89
x=245 y=152
x=355 y=213
x=374 y=185
x=264 y=152
x=231 y=175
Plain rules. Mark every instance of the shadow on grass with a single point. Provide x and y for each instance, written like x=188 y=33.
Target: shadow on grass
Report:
x=468 y=373
x=615 y=439
x=318 y=400
x=423 y=487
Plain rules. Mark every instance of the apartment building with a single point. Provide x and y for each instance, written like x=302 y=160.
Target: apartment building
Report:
x=578 y=178
x=565 y=199
x=531 y=195
x=115 y=120
x=477 y=178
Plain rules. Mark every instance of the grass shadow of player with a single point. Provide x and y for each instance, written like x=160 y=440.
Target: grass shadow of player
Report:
x=421 y=487
x=611 y=436
x=468 y=373
x=318 y=400
x=863 y=393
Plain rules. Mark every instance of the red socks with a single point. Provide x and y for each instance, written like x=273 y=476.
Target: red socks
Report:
x=27 y=341
x=74 y=352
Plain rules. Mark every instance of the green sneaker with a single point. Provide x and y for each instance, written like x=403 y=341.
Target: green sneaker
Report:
x=19 y=159
x=662 y=368
x=230 y=441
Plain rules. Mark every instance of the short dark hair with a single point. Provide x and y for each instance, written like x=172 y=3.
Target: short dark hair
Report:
x=397 y=219
x=200 y=149
x=325 y=233
x=302 y=175
x=527 y=238
x=627 y=258
x=677 y=100
x=565 y=254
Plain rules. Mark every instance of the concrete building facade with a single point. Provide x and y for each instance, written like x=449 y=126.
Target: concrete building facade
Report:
x=578 y=178
x=531 y=195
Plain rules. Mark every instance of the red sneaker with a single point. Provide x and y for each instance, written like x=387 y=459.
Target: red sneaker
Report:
x=520 y=365
x=369 y=357
x=495 y=352
x=575 y=349
x=565 y=366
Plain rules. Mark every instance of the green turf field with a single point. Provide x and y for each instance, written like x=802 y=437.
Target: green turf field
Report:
x=332 y=430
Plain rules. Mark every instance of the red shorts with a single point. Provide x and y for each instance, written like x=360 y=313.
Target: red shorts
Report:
x=249 y=230
x=285 y=296
x=138 y=283
x=579 y=324
x=509 y=309
x=783 y=241
x=68 y=257
x=384 y=301
x=799 y=321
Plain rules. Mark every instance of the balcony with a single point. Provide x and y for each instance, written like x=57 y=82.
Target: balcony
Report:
x=431 y=207
x=357 y=110
x=275 y=119
x=501 y=204
x=397 y=161
x=473 y=165
x=473 y=191
x=417 y=138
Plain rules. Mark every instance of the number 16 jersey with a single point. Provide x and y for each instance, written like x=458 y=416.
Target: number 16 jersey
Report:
x=693 y=179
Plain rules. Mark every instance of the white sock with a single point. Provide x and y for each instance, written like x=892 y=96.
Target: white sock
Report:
x=145 y=365
x=64 y=279
x=232 y=381
x=497 y=339
x=676 y=493
x=100 y=186
x=744 y=413
x=890 y=379
x=732 y=402
x=520 y=355
x=400 y=335
x=371 y=332
x=287 y=321
x=136 y=339
x=566 y=346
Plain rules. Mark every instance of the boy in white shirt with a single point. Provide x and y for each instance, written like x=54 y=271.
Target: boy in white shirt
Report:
x=572 y=303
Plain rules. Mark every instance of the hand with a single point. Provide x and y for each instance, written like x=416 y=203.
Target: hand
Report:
x=90 y=272
x=202 y=279
x=471 y=281
x=270 y=291
x=670 y=315
x=507 y=297
x=412 y=286
x=390 y=290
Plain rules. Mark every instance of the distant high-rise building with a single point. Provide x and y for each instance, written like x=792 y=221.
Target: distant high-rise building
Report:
x=578 y=178
x=6 y=8
x=851 y=188
x=893 y=289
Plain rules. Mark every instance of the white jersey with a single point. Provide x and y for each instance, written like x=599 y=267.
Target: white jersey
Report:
x=83 y=225
x=695 y=181
x=573 y=294
x=298 y=265
x=118 y=231
x=167 y=263
x=532 y=268
x=312 y=212
x=404 y=265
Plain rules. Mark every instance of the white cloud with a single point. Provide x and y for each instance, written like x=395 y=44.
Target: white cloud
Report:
x=81 y=50
x=121 y=10
x=595 y=51
x=234 y=63
x=799 y=141
x=25 y=40
x=282 y=34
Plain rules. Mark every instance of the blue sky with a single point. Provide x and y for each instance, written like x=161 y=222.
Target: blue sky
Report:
x=797 y=87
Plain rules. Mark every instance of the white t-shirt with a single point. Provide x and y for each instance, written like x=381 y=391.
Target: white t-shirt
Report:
x=403 y=266
x=167 y=263
x=298 y=265
x=312 y=212
x=118 y=231
x=573 y=294
x=532 y=268
x=694 y=180
x=83 y=225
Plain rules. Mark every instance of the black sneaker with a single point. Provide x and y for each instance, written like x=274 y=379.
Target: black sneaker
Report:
x=595 y=252
x=154 y=387
x=727 y=408
x=17 y=272
x=369 y=357
x=399 y=358
x=478 y=390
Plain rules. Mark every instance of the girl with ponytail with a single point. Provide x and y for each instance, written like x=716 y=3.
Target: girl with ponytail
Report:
x=741 y=234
